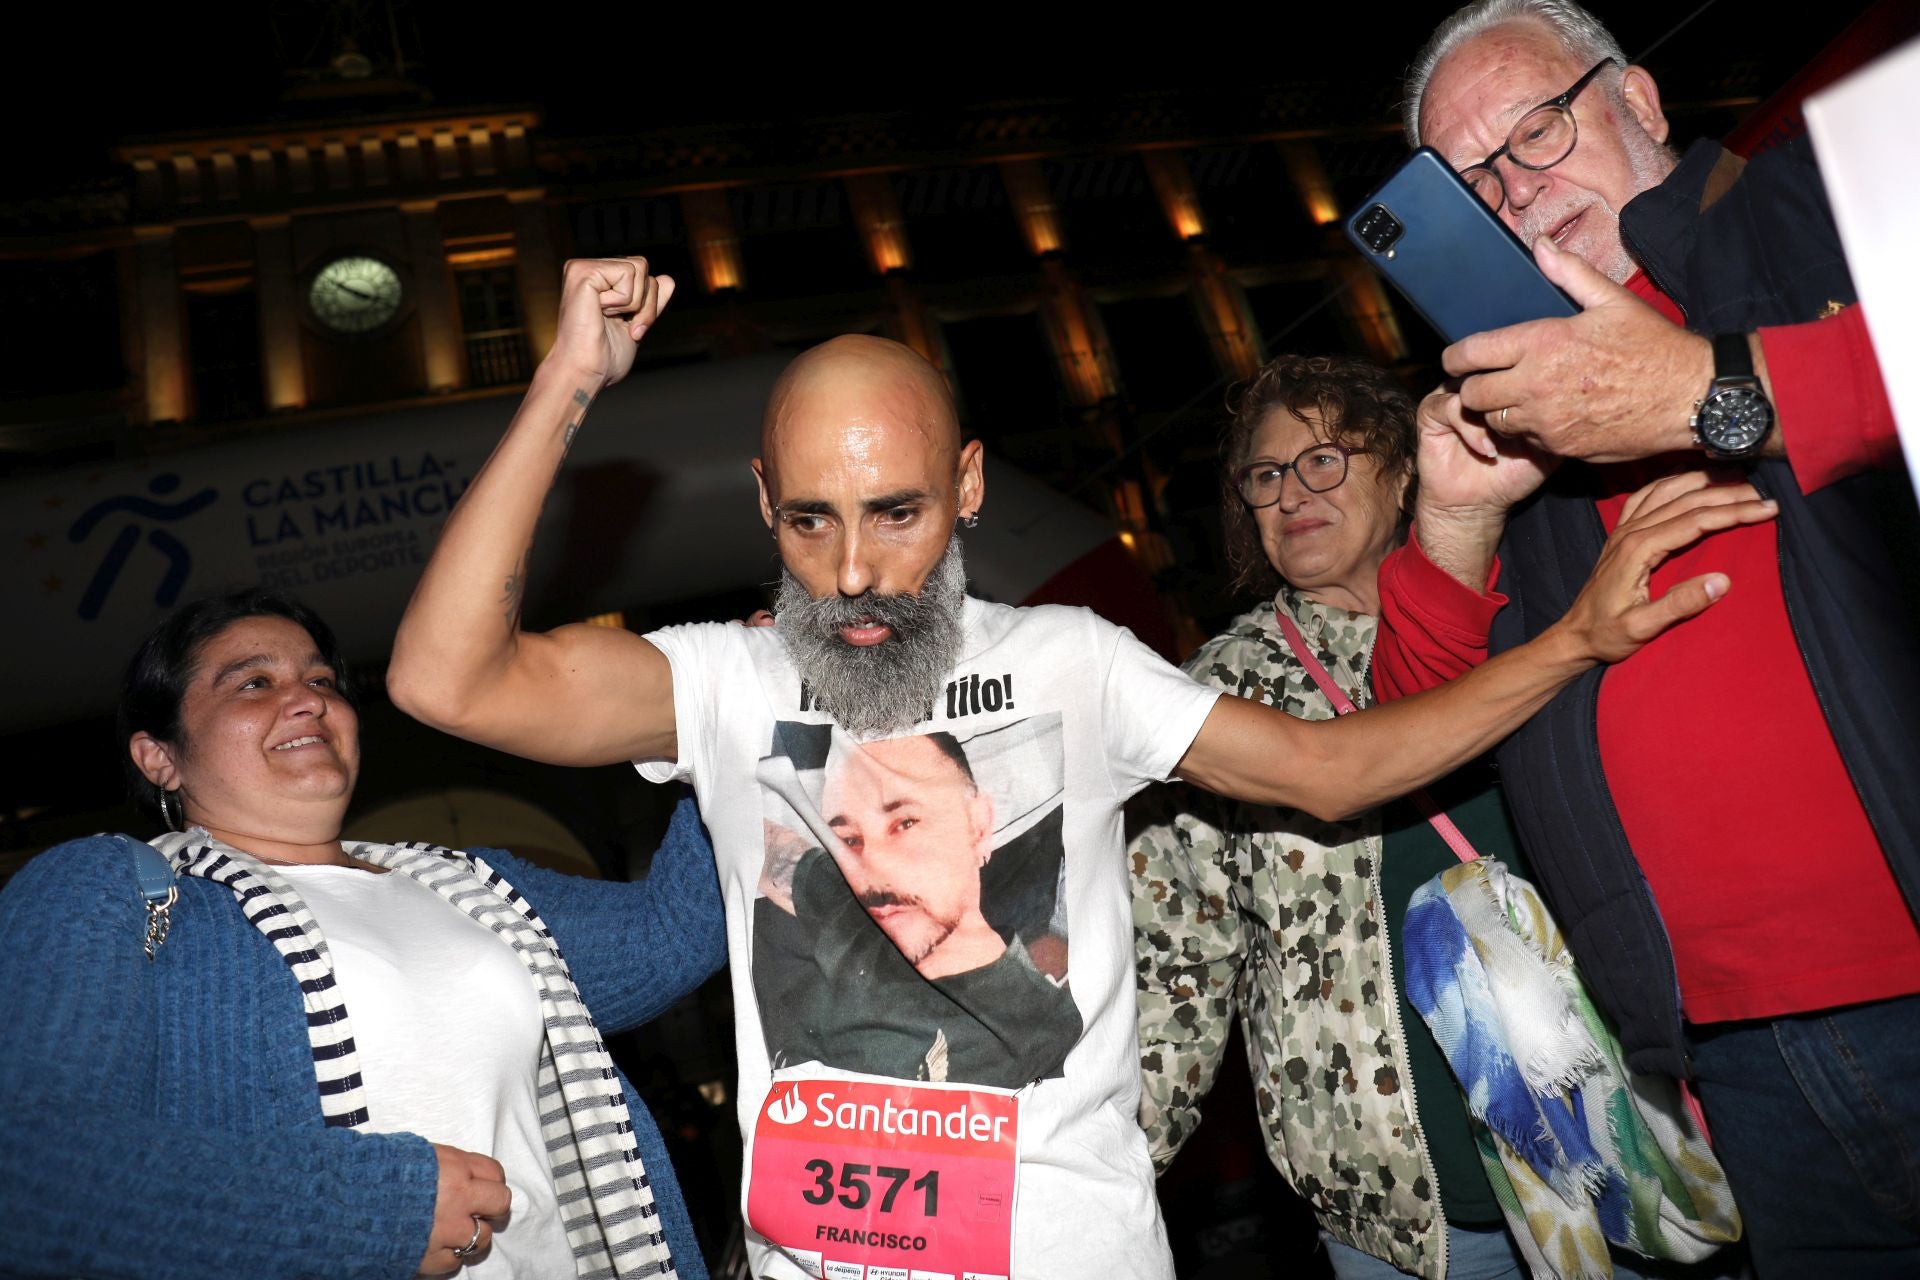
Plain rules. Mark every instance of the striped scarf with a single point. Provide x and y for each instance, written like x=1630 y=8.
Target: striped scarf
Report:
x=601 y=1184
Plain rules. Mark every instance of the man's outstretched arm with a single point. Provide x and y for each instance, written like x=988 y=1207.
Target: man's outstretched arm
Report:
x=1336 y=768
x=576 y=695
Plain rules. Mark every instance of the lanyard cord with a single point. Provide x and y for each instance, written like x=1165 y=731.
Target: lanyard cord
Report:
x=1343 y=705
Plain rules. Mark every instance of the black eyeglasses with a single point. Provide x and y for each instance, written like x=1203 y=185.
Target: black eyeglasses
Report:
x=1318 y=467
x=1542 y=139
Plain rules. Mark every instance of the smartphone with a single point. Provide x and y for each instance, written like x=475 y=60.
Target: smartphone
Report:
x=1449 y=255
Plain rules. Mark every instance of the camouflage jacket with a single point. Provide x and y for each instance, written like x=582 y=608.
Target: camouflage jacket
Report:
x=1274 y=915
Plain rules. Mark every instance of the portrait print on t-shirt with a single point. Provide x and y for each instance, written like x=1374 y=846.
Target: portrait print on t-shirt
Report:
x=911 y=919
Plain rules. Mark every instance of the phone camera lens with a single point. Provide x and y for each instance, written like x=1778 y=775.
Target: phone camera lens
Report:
x=1378 y=229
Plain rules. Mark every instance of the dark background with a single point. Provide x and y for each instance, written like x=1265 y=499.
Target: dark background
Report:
x=83 y=80
x=86 y=80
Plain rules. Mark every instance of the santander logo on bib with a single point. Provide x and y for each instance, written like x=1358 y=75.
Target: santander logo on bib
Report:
x=901 y=1110
x=791 y=1109
x=885 y=1179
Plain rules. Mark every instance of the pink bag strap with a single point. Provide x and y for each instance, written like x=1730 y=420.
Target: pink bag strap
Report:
x=1436 y=817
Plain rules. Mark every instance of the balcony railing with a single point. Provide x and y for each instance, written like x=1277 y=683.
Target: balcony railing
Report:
x=498 y=356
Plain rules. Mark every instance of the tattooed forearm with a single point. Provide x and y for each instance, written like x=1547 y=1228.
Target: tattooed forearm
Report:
x=513 y=593
x=583 y=402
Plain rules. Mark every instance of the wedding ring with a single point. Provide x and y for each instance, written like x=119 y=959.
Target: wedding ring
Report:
x=472 y=1246
x=1503 y=418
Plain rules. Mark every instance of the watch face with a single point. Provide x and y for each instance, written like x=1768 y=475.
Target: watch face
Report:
x=355 y=294
x=1735 y=420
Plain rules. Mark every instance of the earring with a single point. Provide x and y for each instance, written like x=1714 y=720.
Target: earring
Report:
x=167 y=815
x=970 y=520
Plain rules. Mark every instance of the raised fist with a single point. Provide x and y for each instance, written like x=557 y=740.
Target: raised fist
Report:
x=606 y=305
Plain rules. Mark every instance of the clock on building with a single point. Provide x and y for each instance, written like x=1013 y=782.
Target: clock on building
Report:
x=355 y=294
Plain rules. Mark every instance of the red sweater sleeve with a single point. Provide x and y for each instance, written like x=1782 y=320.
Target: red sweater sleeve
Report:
x=1834 y=416
x=1432 y=628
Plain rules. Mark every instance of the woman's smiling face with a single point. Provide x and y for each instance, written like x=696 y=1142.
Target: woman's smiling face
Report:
x=265 y=733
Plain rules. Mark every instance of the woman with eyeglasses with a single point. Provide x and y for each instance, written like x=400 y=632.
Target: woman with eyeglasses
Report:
x=1290 y=923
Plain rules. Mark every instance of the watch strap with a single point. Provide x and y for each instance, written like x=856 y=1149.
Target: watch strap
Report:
x=1732 y=357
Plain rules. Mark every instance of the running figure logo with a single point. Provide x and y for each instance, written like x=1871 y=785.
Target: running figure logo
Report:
x=179 y=560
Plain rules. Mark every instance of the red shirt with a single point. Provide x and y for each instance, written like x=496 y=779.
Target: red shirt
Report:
x=1770 y=879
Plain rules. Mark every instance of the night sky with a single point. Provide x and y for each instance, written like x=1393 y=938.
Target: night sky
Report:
x=86 y=82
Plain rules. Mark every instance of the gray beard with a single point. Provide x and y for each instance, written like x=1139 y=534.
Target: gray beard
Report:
x=1649 y=161
x=886 y=687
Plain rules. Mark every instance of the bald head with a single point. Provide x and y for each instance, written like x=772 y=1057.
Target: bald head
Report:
x=857 y=378
x=862 y=471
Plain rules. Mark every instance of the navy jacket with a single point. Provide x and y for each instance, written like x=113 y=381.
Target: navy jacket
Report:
x=1761 y=251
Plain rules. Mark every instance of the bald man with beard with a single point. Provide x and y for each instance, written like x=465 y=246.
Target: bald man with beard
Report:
x=862 y=477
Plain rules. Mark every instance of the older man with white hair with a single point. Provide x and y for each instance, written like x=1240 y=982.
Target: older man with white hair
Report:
x=1727 y=822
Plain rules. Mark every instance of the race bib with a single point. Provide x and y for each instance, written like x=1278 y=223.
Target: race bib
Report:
x=883 y=1180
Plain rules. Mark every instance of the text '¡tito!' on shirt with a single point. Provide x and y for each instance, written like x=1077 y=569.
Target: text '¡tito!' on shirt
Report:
x=967 y=696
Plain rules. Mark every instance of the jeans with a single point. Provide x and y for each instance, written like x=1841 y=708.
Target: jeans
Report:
x=1816 y=1118
x=1486 y=1254
x=1489 y=1254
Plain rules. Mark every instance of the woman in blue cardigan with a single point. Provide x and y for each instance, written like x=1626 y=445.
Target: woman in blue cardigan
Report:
x=333 y=1060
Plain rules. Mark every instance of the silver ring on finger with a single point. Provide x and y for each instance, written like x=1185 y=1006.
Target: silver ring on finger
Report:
x=1503 y=417
x=472 y=1246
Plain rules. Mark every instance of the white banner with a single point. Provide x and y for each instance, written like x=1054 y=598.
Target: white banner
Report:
x=655 y=503
x=1870 y=161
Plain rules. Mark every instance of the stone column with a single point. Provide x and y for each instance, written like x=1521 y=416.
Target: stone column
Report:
x=876 y=212
x=1026 y=184
x=433 y=296
x=161 y=322
x=1078 y=338
x=1310 y=181
x=1363 y=301
x=1173 y=183
x=912 y=325
x=716 y=245
x=1224 y=314
x=283 y=367
x=1223 y=308
x=539 y=273
x=1073 y=326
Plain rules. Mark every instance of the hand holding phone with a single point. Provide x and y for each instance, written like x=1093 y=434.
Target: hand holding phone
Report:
x=1449 y=255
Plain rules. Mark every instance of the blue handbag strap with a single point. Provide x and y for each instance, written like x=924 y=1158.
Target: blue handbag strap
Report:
x=153 y=872
x=158 y=892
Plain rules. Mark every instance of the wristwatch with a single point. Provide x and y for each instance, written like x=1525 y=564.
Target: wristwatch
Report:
x=1734 y=418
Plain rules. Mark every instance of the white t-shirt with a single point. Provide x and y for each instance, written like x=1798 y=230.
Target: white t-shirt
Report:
x=1058 y=716
x=448 y=1029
